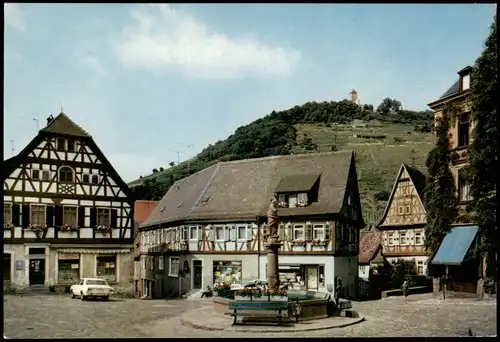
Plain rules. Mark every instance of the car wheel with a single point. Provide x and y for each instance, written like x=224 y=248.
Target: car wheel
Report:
x=72 y=294
x=105 y=298
x=82 y=297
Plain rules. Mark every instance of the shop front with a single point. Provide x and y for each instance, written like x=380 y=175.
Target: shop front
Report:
x=227 y=271
x=302 y=277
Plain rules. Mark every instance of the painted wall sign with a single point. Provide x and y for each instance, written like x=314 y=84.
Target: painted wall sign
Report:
x=19 y=265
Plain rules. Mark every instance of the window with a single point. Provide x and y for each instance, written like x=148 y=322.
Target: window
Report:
x=65 y=174
x=106 y=267
x=391 y=239
x=46 y=175
x=298 y=232
x=302 y=198
x=173 y=267
x=35 y=174
x=463 y=189
x=402 y=236
x=184 y=233
x=463 y=130
x=7 y=213
x=242 y=232
x=60 y=144
x=37 y=214
x=85 y=178
x=103 y=218
x=36 y=251
x=420 y=267
x=400 y=210
x=95 y=179
x=227 y=271
x=407 y=209
x=465 y=82
x=161 y=263
x=69 y=215
x=68 y=271
x=143 y=262
x=71 y=145
x=193 y=233
x=152 y=263
x=7 y=266
x=318 y=232
x=282 y=198
x=418 y=238
x=292 y=201
x=219 y=233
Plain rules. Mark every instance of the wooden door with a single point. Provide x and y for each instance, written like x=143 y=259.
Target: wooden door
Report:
x=37 y=271
x=197 y=274
x=312 y=281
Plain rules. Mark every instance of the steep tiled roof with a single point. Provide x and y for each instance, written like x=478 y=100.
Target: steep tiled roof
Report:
x=455 y=88
x=142 y=210
x=62 y=124
x=369 y=244
x=242 y=189
x=418 y=179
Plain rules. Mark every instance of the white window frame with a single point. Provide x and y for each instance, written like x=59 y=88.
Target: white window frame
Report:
x=44 y=213
x=292 y=198
x=299 y=227
x=302 y=197
x=97 y=217
x=195 y=230
x=161 y=262
x=420 y=264
x=239 y=237
x=465 y=82
x=407 y=209
x=390 y=239
x=405 y=237
x=320 y=228
x=143 y=262
x=7 y=219
x=401 y=210
x=184 y=233
x=170 y=273
x=216 y=229
x=418 y=235
x=76 y=214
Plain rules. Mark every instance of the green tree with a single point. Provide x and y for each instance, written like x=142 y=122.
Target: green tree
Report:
x=439 y=192
x=483 y=163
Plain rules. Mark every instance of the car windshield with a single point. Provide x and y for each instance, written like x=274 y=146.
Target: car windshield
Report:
x=96 y=282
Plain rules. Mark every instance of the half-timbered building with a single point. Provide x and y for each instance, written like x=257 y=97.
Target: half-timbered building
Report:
x=211 y=227
x=404 y=218
x=67 y=213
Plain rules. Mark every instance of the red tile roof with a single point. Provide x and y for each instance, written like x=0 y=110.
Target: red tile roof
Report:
x=142 y=210
x=368 y=245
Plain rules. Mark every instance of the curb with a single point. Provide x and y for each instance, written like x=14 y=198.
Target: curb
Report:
x=193 y=325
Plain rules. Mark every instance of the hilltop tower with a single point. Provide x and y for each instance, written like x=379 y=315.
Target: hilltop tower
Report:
x=354 y=96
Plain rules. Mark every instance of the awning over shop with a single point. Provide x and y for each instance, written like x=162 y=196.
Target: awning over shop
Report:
x=455 y=245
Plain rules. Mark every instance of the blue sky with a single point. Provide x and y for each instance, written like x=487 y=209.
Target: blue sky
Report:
x=148 y=80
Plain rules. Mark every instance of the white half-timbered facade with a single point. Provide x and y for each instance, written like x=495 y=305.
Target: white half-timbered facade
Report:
x=67 y=213
x=211 y=227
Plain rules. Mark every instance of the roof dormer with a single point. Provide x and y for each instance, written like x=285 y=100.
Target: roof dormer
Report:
x=465 y=78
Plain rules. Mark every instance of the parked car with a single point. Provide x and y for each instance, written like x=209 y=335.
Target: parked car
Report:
x=91 y=287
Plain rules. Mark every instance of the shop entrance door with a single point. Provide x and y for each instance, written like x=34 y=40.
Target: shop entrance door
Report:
x=197 y=274
x=37 y=271
x=312 y=281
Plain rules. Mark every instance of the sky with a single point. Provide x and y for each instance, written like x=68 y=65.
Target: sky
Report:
x=158 y=83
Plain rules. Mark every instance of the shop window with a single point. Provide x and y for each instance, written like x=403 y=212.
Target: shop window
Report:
x=106 y=267
x=193 y=233
x=46 y=175
x=35 y=174
x=68 y=271
x=69 y=215
x=173 y=267
x=7 y=259
x=319 y=232
x=242 y=233
x=66 y=174
x=37 y=214
x=298 y=232
x=227 y=272
x=103 y=217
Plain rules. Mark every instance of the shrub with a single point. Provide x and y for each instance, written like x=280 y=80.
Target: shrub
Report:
x=381 y=195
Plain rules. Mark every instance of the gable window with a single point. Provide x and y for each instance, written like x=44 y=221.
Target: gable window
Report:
x=242 y=232
x=402 y=236
x=193 y=233
x=219 y=233
x=318 y=232
x=391 y=239
x=7 y=212
x=85 y=179
x=103 y=217
x=46 y=175
x=35 y=174
x=65 y=174
x=95 y=179
x=173 y=266
x=407 y=209
x=69 y=215
x=401 y=210
x=71 y=145
x=37 y=214
x=463 y=130
x=463 y=189
x=302 y=198
x=283 y=200
x=61 y=144
x=292 y=201
x=298 y=232
x=465 y=82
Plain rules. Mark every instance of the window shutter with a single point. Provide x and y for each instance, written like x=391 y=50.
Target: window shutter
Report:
x=211 y=233
x=93 y=217
x=81 y=216
x=114 y=218
x=16 y=212
x=49 y=216
x=281 y=231
x=327 y=231
x=26 y=216
x=58 y=219
x=309 y=232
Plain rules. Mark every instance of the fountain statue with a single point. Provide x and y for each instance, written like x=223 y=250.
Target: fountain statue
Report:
x=272 y=247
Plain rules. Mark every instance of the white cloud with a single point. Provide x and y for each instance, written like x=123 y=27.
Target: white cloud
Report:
x=13 y=16
x=163 y=38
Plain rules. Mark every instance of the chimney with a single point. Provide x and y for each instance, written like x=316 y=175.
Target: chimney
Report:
x=354 y=96
x=50 y=119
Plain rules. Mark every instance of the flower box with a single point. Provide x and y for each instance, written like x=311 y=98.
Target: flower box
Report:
x=298 y=243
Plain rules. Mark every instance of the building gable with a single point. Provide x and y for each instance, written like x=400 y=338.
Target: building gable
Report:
x=405 y=205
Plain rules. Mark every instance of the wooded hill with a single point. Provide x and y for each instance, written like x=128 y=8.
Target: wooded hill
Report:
x=316 y=127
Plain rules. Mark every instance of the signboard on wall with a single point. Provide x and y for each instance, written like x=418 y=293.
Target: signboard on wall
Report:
x=19 y=265
x=69 y=256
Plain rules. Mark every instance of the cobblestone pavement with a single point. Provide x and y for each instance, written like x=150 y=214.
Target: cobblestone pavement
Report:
x=62 y=317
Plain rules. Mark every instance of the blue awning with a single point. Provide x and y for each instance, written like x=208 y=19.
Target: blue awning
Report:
x=455 y=245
